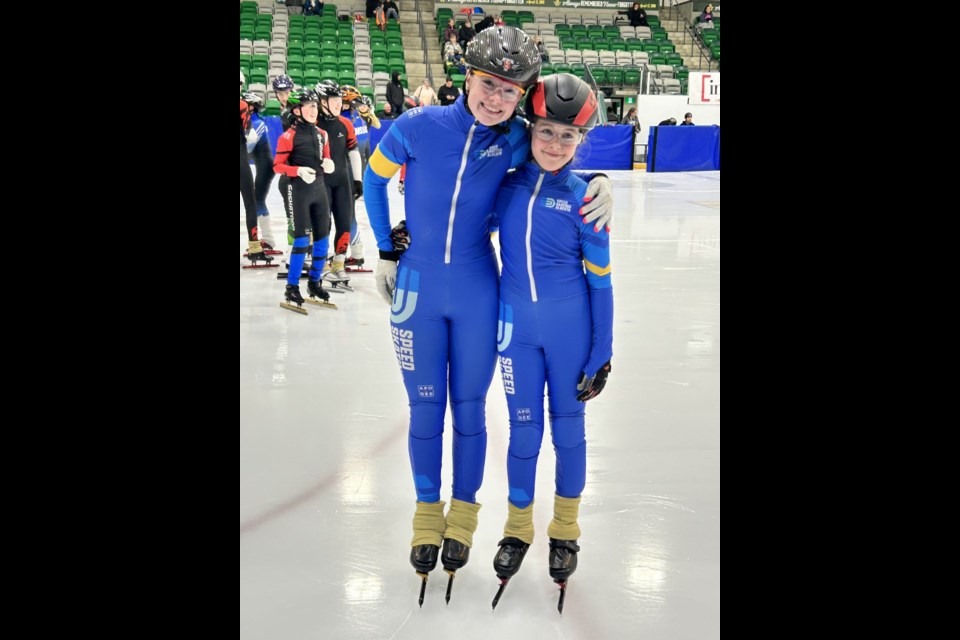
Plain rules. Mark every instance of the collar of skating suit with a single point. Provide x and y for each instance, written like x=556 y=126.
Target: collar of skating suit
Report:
x=531 y=171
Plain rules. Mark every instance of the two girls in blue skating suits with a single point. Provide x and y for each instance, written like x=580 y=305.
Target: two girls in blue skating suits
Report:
x=445 y=291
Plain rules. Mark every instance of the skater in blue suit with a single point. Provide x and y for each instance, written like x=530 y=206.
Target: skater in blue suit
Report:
x=556 y=319
x=445 y=291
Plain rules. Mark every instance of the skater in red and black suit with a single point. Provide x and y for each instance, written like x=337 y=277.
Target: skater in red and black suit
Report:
x=344 y=185
x=254 y=250
x=303 y=155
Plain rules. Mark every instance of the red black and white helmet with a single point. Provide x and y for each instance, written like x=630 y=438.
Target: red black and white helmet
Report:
x=565 y=99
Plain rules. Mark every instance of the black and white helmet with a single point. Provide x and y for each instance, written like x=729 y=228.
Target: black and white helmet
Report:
x=505 y=52
x=328 y=89
x=254 y=101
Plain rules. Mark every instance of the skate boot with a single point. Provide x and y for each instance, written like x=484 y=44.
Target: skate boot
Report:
x=462 y=523
x=294 y=301
x=428 y=527
x=564 y=533
x=269 y=250
x=354 y=263
x=255 y=255
x=335 y=273
x=318 y=296
x=518 y=536
x=266 y=232
x=563 y=559
x=315 y=289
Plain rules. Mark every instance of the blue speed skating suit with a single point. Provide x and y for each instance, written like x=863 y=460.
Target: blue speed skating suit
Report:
x=444 y=315
x=556 y=321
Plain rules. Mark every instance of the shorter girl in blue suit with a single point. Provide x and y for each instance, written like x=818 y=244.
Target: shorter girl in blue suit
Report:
x=556 y=319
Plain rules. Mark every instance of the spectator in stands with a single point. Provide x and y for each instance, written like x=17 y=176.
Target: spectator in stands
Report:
x=448 y=93
x=380 y=16
x=498 y=21
x=466 y=33
x=393 y=11
x=372 y=7
x=395 y=93
x=387 y=113
x=687 y=120
x=450 y=30
x=707 y=15
x=541 y=49
x=631 y=119
x=636 y=15
x=425 y=94
x=668 y=122
x=453 y=55
x=483 y=24
x=313 y=7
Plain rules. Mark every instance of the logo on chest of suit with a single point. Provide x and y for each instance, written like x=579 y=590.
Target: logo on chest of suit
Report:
x=341 y=135
x=493 y=152
x=559 y=205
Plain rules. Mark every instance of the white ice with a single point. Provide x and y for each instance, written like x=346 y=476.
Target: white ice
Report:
x=326 y=493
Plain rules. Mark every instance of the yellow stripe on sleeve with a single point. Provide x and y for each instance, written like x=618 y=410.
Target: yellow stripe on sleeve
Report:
x=382 y=166
x=594 y=269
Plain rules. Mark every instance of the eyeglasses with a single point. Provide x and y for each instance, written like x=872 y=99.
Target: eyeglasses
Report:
x=511 y=93
x=567 y=138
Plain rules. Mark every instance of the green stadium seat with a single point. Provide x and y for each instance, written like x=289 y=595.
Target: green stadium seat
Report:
x=272 y=108
x=257 y=76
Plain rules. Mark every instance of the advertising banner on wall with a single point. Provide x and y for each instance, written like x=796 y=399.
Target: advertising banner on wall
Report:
x=704 y=87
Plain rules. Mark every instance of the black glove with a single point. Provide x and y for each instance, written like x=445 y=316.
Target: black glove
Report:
x=400 y=237
x=357 y=189
x=590 y=388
